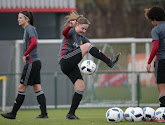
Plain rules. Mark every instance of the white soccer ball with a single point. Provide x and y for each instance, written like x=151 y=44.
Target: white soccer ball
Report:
x=128 y=114
x=137 y=114
x=88 y=67
x=148 y=114
x=114 y=115
x=160 y=114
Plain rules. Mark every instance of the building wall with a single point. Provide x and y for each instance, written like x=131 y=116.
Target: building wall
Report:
x=48 y=25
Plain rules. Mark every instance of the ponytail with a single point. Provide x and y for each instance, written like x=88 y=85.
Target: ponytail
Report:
x=75 y=16
x=31 y=18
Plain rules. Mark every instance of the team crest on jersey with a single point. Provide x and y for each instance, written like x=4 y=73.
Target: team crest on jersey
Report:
x=81 y=42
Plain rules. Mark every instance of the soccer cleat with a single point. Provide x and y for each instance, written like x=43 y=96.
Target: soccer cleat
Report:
x=114 y=60
x=9 y=115
x=71 y=116
x=42 y=116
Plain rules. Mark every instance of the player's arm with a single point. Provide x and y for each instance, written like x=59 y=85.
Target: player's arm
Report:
x=154 y=50
x=33 y=44
x=65 y=32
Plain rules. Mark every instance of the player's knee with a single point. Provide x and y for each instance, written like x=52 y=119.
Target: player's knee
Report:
x=37 y=87
x=22 y=88
x=80 y=85
x=87 y=45
x=80 y=88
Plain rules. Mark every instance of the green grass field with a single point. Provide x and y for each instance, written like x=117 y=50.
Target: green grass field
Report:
x=57 y=117
x=148 y=94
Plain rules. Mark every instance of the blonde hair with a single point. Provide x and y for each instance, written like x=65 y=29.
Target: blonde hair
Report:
x=146 y=11
x=75 y=16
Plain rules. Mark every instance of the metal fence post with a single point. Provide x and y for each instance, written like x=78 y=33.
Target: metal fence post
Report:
x=138 y=89
x=55 y=90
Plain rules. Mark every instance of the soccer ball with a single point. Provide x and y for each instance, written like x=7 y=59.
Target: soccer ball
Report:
x=88 y=67
x=160 y=114
x=128 y=114
x=114 y=115
x=148 y=114
x=137 y=114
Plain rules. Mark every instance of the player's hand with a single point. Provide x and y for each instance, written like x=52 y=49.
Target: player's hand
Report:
x=24 y=58
x=148 y=67
x=73 y=23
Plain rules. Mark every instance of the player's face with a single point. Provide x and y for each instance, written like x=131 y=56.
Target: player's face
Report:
x=81 y=28
x=154 y=23
x=21 y=19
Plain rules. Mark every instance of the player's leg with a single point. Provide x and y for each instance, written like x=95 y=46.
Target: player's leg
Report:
x=18 y=102
x=21 y=92
x=80 y=87
x=75 y=76
x=161 y=88
x=160 y=80
x=88 y=47
x=36 y=84
x=41 y=100
x=73 y=72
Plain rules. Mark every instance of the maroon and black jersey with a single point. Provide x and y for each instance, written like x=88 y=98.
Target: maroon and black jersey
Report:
x=71 y=41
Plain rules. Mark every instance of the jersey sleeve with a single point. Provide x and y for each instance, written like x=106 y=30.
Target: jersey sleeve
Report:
x=154 y=50
x=33 y=44
x=85 y=40
x=154 y=34
x=31 y=32
x=66 y=32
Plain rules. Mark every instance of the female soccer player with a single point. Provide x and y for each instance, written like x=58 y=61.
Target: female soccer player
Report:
x=157 y=16
x=73 y=48
x=31 y=72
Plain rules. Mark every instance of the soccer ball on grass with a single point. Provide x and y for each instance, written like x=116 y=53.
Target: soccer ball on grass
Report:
x=160 y=114
x=128 y=114
x=137 y=114
x=148 y=114
x=114 y=115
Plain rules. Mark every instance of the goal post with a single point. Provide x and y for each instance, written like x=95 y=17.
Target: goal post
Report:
x=131 y=44
x=3 y=79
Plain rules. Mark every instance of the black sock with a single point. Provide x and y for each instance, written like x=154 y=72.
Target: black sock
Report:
x=18 y=102
x=42 y=101
x=162 y=100
x=98 y=54
x=75 y=102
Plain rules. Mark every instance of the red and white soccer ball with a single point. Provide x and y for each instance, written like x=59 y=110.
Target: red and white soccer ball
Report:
x=148 y=114
x=114 y=115
x=160 y=114
x=88 y=67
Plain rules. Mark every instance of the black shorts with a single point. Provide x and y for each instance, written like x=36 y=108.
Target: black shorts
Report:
x=160 y=71
x=69 y=65
x=31 y=73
